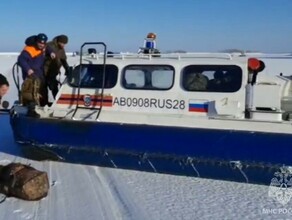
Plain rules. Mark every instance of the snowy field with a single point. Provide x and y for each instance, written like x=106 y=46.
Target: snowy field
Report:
x=85 y=192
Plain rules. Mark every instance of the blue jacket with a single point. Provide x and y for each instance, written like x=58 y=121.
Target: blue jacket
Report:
x=32 y=58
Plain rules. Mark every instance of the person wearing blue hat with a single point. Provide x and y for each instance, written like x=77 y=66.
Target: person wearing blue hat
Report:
x=31 y=60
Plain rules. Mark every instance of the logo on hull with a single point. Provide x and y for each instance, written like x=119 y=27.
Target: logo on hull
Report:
x=87 y=100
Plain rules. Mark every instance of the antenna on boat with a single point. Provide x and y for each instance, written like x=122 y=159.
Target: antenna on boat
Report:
x=80 y=73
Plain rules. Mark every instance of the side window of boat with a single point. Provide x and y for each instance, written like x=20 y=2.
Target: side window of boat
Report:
x=148 y=77
x=91 y=76
x=212 y=78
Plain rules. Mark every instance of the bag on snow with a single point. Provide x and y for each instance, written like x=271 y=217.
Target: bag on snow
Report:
x=23 y=181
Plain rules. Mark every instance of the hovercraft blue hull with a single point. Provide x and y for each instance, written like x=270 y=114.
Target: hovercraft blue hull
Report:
x=211 y=153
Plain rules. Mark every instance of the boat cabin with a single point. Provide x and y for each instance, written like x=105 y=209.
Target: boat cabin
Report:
x=185 y=85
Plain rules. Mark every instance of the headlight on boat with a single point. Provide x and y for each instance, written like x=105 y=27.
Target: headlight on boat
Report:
x=253 y=64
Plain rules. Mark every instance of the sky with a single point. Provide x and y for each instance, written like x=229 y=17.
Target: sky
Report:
x=190 y=25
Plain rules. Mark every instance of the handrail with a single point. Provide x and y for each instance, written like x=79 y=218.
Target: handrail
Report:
x=178 y=56
x=103 y=76
x=15 y=74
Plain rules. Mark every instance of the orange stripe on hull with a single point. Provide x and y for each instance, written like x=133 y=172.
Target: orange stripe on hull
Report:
x=69 y=96
x=74 y=102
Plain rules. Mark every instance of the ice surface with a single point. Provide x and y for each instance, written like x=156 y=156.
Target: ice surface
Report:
x=88 y=192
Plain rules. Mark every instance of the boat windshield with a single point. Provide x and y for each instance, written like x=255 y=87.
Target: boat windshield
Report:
x=91 y=76
x=148 y=77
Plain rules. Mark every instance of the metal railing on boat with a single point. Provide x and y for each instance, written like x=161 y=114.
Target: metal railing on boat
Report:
x=177 y=56
x=103 y=80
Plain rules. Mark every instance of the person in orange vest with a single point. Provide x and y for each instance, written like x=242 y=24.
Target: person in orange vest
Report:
x=31 y=60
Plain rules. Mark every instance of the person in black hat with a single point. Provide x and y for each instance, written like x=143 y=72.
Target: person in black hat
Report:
x=52 y=66
x=4 y=86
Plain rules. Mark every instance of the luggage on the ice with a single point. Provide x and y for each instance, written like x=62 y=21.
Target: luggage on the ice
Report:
x=23 y=181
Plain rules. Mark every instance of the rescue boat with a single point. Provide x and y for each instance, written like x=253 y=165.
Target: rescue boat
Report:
x=210 y=115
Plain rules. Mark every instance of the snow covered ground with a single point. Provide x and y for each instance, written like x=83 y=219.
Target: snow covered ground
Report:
x=86 y=192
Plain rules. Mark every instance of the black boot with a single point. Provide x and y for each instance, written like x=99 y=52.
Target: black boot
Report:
x=33 y=114
x=31 y=111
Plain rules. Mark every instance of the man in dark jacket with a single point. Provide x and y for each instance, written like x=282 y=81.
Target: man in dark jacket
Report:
x=52 y=66
x=31 y=60
x=4 y=86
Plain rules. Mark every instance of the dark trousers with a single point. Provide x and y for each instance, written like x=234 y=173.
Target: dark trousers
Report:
x=52 y=84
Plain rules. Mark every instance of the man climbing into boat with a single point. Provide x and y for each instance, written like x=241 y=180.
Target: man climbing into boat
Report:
x=31 y=60
x=4 y=86
x=52 y=66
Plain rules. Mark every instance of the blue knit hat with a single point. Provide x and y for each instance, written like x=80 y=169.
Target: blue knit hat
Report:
x=41 y=38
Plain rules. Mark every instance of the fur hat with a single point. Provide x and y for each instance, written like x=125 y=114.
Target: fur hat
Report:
x=62 y=39
x=3 y=80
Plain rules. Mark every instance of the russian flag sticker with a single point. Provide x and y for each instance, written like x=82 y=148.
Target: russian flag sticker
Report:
x=198 y=106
